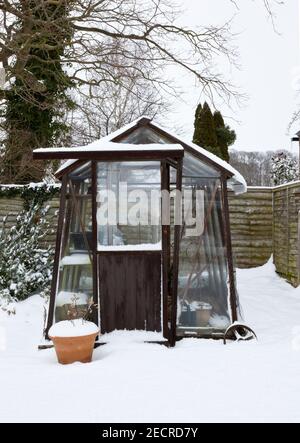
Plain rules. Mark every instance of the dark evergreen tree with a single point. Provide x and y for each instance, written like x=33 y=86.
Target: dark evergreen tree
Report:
x=197 y=114
x=225 y=135
x=205 y=131
x=196 y=122
x=37 y=120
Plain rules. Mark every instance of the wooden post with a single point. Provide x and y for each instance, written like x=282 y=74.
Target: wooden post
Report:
x=232 y=290
x=177 y=231
x=165 y=186
x=95 y=242
x=298 y=249
x=298 y=134
x=287 y=231
x=59 y=236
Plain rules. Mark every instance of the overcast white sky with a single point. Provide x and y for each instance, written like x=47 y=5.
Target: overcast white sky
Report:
x=269 y=75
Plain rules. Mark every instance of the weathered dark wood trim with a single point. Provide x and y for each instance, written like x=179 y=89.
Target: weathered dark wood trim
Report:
x=229 y=253
x=175 y=265
x=165 y=185
x=172 y=163
x=131 y=285
x=69 y=169
x=147 y=122
x=59 y=237
x=95 y=241
x=137 y=155
x=190 y=149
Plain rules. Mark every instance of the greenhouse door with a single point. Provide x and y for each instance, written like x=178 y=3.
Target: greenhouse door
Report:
x=130 y=290
x=129 y=245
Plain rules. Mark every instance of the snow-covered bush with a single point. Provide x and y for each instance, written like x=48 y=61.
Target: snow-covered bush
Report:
x=284 y=168
x=25 y=267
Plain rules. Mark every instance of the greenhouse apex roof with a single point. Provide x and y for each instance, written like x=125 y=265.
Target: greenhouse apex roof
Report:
x=236 y=182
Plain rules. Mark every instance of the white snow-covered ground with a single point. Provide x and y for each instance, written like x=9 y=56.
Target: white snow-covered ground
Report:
x=130 y=381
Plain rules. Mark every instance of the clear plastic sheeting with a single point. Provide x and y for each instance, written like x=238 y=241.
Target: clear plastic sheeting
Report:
x=203 y=274
x=193 y=167
x=75 y=282
x=144 y=136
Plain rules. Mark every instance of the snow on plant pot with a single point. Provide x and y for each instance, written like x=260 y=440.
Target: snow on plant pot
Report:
x=74 y=340
x=203 y=313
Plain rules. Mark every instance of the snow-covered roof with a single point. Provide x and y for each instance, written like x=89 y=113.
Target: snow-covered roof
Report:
x=65 y=165
x=107 y=146
x=237 y=182
x=108 y=138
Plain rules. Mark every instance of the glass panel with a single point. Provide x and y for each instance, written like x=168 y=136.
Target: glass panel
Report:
x=129 y=205
x=75 y=287
x=193 y=167
x=202 y=283
x=144 y=136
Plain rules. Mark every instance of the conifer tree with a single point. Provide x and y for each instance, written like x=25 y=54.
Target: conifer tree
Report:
x=225 y=135
x=25 y=266
x=196 y=123
x=205 y=131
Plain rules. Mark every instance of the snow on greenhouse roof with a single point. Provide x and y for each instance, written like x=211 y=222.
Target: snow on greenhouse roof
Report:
x=237 y=182
x=106 y=146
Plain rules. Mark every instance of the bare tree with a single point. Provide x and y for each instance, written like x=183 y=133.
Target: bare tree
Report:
x=99 y=33
x=98 y=116
x=111 y=105
x=92 y=46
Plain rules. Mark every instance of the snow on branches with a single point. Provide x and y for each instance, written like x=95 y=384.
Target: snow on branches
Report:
x=25 y=266
x=284 y=168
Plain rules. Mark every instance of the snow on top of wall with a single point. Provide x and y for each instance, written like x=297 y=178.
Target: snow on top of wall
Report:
x=284 y=185
x=32 y=185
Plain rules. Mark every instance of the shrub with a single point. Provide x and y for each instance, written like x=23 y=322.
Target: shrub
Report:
x=25 y=266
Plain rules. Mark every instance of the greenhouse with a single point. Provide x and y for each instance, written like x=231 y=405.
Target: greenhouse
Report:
x=144 y=234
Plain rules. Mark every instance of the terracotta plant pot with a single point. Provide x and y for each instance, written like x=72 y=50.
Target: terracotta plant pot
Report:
x=71 y=349
x=203 y=313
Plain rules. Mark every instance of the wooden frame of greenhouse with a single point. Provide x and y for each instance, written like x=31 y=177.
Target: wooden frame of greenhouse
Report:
x=168 y=276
